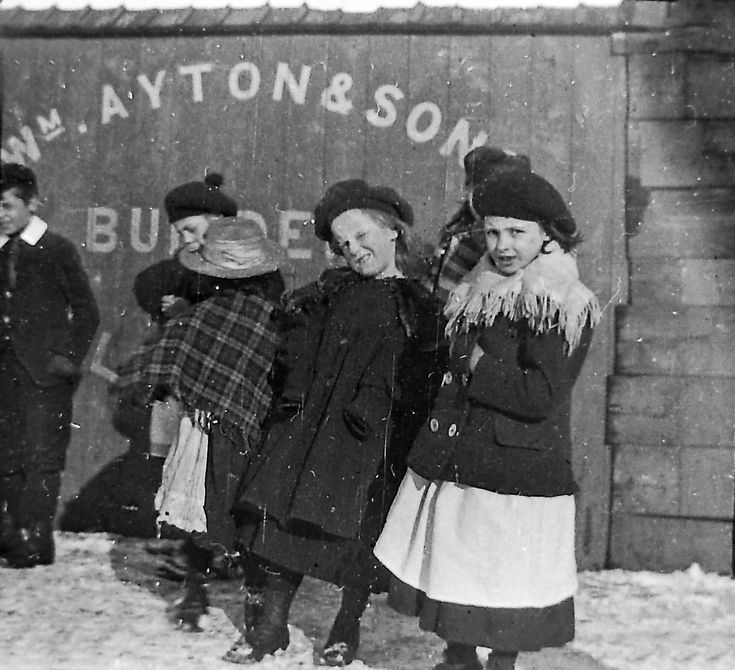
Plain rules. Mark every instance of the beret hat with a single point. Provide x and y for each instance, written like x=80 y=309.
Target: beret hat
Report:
x=482 y=162
x=526 y=196
x=199 y=197
x=357 y=194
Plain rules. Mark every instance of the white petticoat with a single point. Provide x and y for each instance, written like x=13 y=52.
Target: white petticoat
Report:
x=180 y=498
x=465 y=545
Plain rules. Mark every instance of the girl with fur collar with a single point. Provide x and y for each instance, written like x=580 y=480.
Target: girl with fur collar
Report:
x=480 y=538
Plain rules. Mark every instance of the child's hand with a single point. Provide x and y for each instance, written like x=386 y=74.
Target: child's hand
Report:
x=171 y=304
x=167 y=301
x=477 y=354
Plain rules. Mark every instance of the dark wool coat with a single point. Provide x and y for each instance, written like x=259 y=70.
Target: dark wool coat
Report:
x=506 y=427
x=51 y=311
x=48 y=317
x=361 y=355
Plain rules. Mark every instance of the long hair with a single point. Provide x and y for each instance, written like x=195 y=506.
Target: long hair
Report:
x=412 y=254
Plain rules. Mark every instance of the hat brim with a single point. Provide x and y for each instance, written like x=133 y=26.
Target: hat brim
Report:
x=275 y=258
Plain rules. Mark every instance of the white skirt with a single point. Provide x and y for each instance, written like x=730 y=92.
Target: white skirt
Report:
x=180 y=498
x=468 y=546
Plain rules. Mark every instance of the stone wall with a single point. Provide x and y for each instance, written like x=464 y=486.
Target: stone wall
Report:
x=671 y=408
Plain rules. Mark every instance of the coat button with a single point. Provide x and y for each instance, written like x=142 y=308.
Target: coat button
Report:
x=433 y=425
x=452 y=430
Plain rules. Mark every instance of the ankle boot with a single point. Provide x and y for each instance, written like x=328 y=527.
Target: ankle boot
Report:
x=253 y=607
x=194 y=603
x=188 y=610
x=32 y=545
x=344 y=638
x=501 y=660
x=7 y=531
x=458 y=656
x=270 y=633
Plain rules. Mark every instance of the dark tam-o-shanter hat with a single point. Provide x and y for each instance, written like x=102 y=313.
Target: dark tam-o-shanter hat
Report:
x=357 y=194
x=199 y=197
x=526 y=196
x=483 y=162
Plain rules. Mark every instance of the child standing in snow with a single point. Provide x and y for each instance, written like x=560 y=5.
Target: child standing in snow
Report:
x=48 y=317
x=362 y=343
x=215 y=356
x=480 y=538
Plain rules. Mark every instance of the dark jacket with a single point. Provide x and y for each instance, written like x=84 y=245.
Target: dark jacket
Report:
x=360 y=356
x=49 y=314
x=506 y=427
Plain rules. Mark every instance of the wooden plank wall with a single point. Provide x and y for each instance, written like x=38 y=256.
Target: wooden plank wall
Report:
x=672 y=399
x=141 y=115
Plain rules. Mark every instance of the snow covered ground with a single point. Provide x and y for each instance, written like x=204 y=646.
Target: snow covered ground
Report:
x=97 y=608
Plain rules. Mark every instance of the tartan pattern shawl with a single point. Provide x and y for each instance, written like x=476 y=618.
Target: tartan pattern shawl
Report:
x=215 y=358
x=460 y=248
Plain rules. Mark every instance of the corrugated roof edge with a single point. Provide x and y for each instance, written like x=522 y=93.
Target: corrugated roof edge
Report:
x=89 y=22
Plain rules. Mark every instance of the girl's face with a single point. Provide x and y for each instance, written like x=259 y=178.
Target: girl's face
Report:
x=15 y=213
x=368 y=247
x=191 y=231
x=512 y=243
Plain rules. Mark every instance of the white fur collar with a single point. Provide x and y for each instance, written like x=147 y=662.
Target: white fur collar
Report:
x=547 y=293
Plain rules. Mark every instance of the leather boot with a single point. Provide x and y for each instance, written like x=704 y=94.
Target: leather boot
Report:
x=194 y=604
x=7 y=531
x=344 y=638
x=188 y=610
x=253 y=608
x=501 y=660
x=270 y=633
x=32 y=545
x=459 y=656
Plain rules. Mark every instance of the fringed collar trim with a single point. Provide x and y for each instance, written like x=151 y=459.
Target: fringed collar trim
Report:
x=547 y=293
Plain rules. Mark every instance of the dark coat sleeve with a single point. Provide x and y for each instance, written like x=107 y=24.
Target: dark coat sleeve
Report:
x=85 y=315
x=523 y=374
x=163 y=278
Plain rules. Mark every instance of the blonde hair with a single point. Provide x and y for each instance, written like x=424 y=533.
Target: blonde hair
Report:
x=411 y=251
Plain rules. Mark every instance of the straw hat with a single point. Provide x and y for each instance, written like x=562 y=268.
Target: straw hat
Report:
x=234 y=248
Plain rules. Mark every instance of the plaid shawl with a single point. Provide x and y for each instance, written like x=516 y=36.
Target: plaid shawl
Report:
x=460 y=248
x=215 y=358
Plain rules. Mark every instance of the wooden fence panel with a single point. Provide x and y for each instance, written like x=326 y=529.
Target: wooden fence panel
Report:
x=284 y=116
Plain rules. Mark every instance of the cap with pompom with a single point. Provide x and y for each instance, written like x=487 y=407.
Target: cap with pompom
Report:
x=199 y=197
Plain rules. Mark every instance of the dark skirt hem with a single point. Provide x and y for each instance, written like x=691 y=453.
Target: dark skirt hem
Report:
x=308 y=550
x=500 y=628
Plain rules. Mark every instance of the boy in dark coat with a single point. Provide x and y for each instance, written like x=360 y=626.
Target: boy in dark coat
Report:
x=48 y=317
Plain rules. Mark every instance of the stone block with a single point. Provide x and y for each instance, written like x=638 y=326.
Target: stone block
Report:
x=682 y=281
x=646 y=480
x=683 y=223
x=660 y=340
x=671 y=411
x=657 y=85
x=667 y=544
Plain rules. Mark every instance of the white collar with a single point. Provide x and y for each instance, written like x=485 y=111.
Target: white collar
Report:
x=31 y=234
